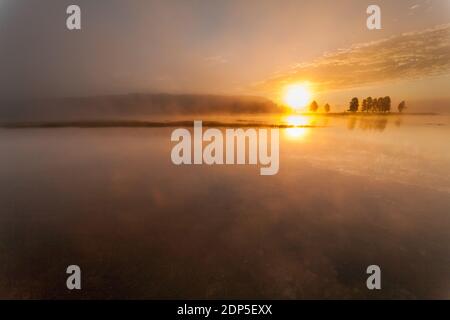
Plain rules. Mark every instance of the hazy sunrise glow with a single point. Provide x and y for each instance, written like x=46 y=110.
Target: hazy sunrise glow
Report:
x=297 y=96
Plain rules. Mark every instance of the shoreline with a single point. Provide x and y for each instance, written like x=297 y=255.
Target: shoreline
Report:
x=145 y=124
x=248 y=123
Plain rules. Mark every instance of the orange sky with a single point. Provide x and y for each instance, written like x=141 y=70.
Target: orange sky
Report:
x=225 y=47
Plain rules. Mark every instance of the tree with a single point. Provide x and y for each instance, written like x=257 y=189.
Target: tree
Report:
x=378 y=104
x=374 y=105
x=369 y=104
x=381 y=105
x=354 y=104
x=364 y=105
x=387 y=104
x=327 y=108
x=313 y=106
x=401 y=106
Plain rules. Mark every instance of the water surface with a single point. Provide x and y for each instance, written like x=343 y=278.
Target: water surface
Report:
x=351 y=192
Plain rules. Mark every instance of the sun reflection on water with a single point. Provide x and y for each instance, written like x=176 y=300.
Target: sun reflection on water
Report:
x=299 y=127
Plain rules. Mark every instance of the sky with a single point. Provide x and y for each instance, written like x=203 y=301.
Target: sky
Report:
x=252 y=47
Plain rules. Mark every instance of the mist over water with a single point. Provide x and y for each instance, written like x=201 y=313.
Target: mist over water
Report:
x=92 y=91
x=350 y=192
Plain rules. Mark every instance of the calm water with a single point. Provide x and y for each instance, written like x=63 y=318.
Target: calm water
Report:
x=352 y=192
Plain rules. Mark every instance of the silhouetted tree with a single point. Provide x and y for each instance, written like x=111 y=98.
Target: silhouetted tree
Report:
x=379 y=104
x=401 y=106
x=374 y=105
x=354 y=104
x=369 y=104
x=313 y=106
x=364 y=105
x=327 y=108
x=386 y=104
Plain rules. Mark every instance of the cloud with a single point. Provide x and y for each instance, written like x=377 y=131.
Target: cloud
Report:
x=407 y=56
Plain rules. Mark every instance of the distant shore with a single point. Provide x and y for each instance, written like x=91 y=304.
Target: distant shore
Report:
x=145 y=124
x=188 y=123
x=370 y=114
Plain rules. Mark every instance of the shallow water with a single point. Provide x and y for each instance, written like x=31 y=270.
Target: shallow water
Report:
x=351 y=192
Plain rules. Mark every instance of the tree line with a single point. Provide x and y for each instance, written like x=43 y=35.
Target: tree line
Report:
x=382 y=104
x=369 y=104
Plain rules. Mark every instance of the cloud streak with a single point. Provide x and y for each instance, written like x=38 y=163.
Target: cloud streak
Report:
x=407 y=56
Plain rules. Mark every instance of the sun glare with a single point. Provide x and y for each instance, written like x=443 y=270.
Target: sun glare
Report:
x=298 y=129
x=297 y=96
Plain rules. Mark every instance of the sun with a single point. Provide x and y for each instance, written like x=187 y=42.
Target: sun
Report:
x=297 y=96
